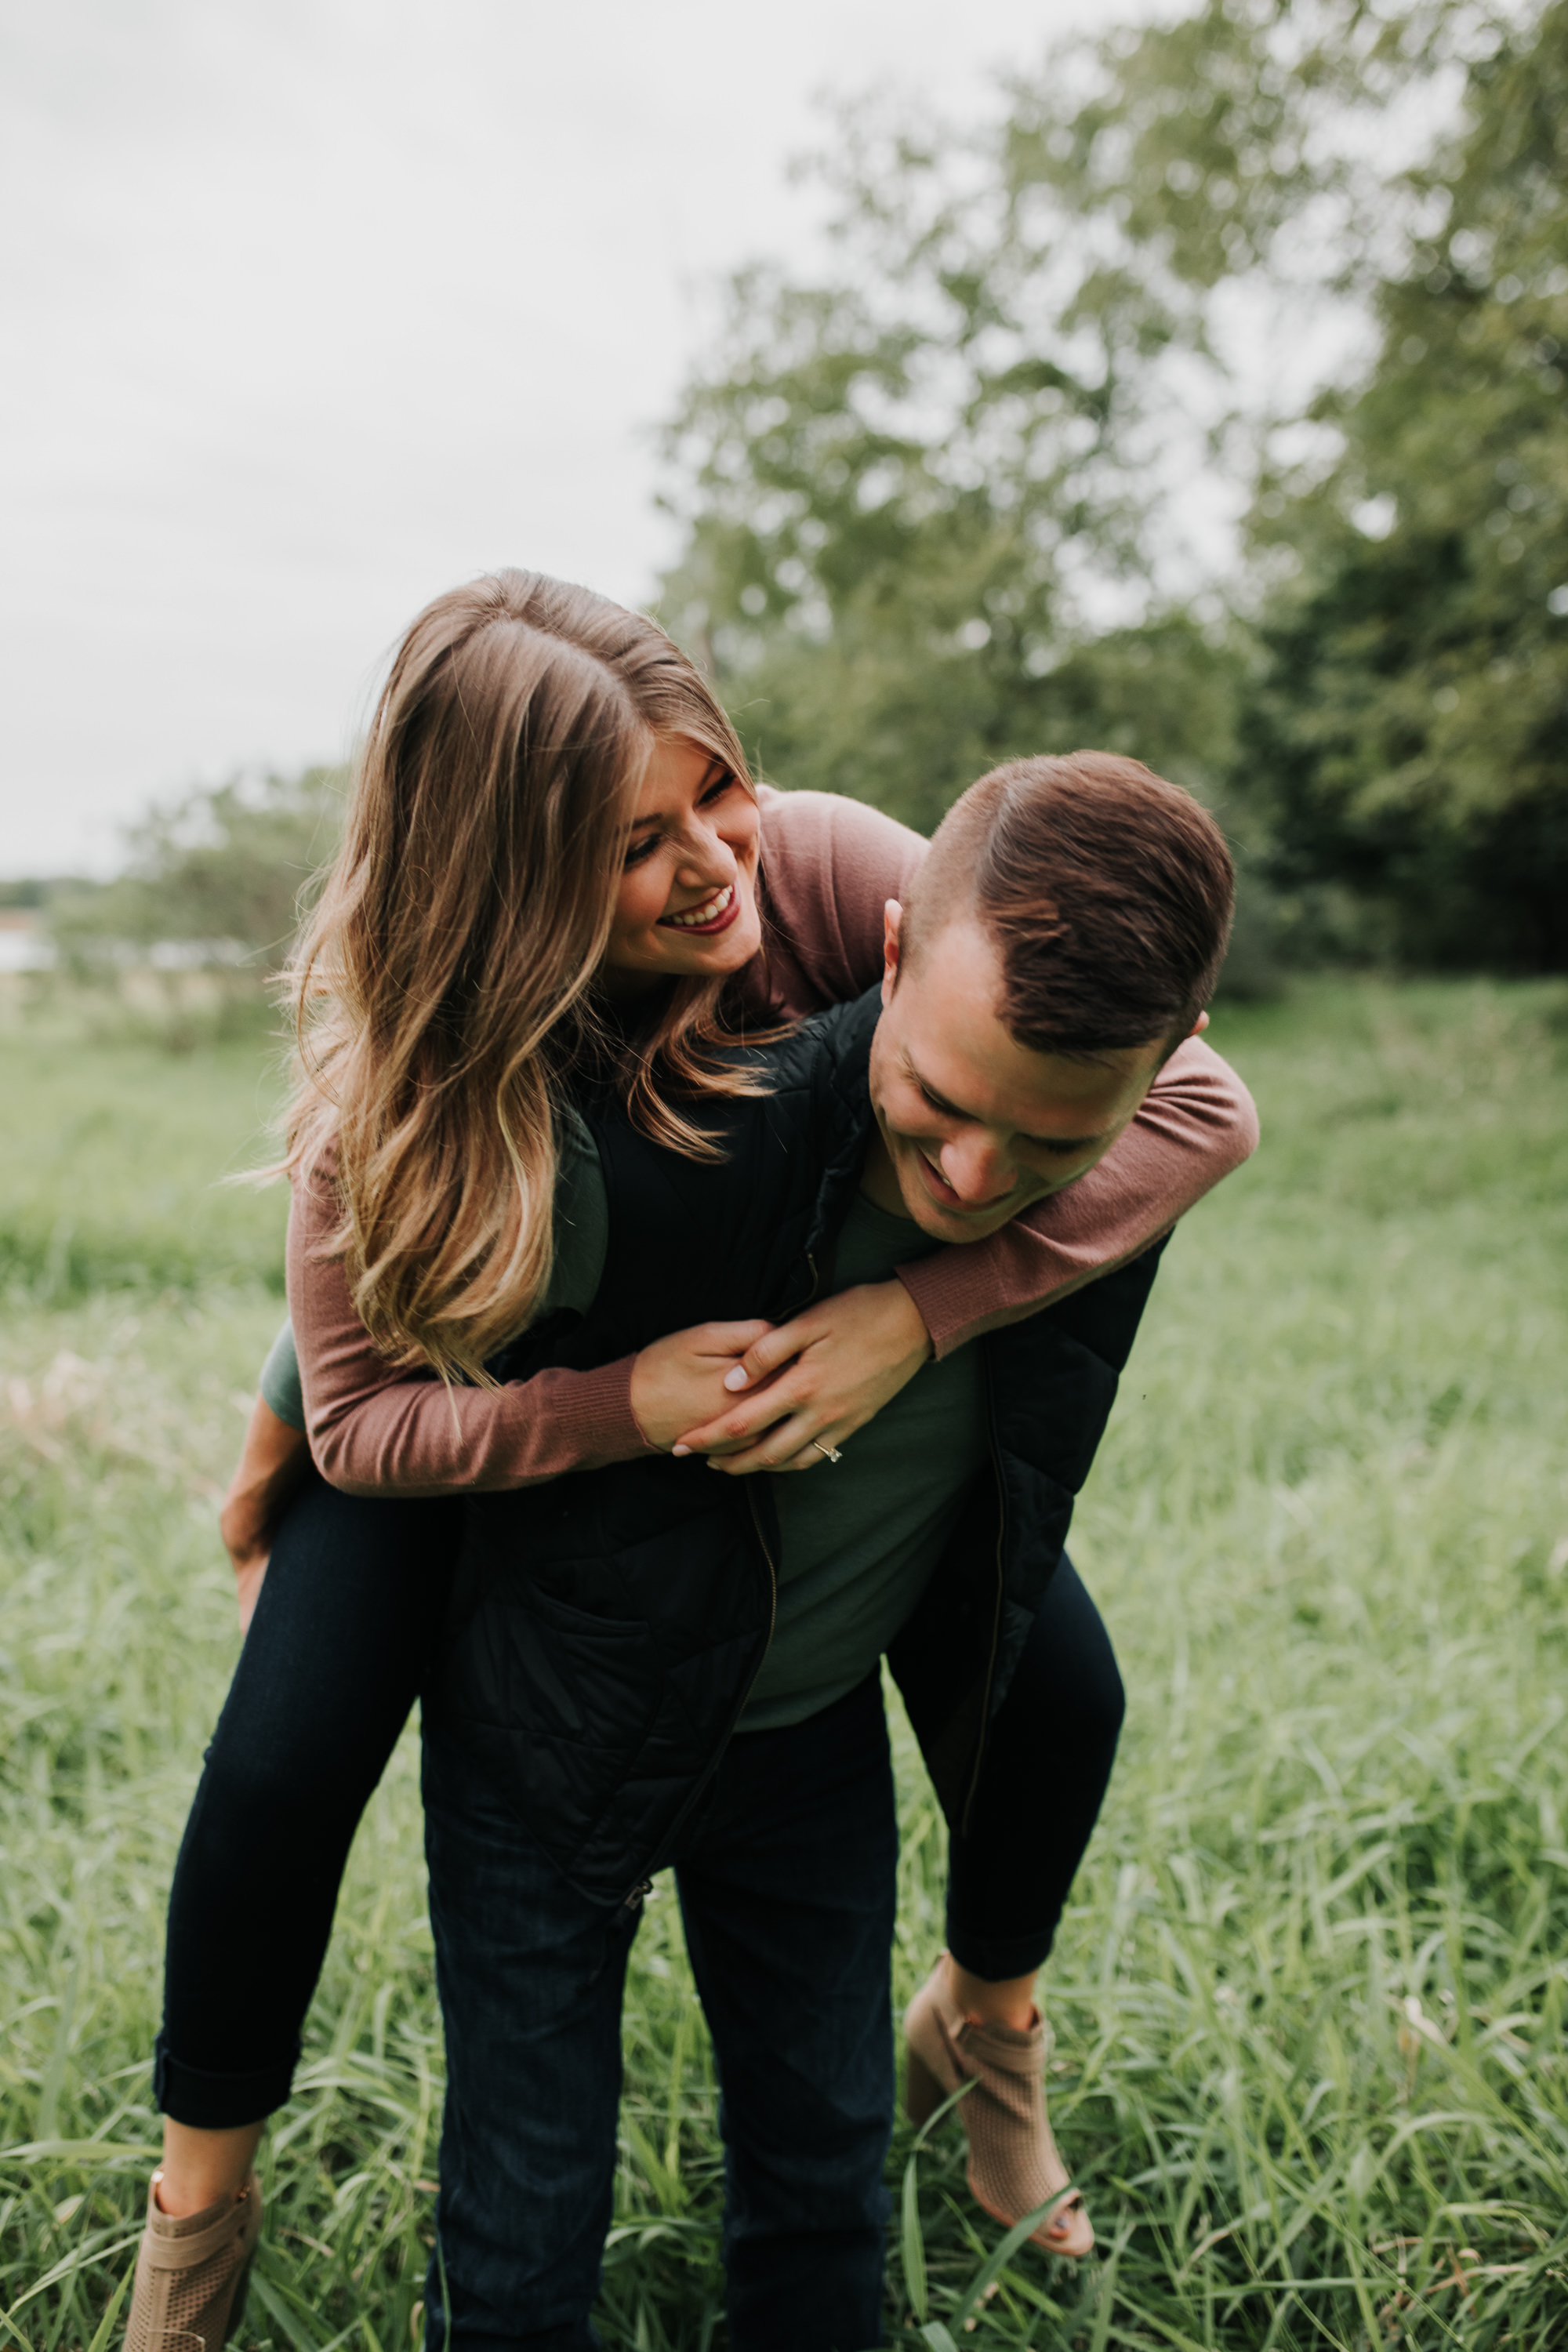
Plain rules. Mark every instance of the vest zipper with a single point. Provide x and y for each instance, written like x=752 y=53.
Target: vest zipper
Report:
x=787 y=1314
x=996 y=1611
x=645 y=1884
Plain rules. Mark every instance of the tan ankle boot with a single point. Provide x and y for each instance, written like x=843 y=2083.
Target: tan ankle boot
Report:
x=1013 y=2160
x=191 y=2273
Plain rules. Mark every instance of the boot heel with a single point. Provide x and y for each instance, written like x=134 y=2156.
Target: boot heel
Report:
x=922 y=2092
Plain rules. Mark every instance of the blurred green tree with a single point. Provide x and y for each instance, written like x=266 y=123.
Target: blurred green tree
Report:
x=927 y=504
x=1411 y=716
x=220 y=874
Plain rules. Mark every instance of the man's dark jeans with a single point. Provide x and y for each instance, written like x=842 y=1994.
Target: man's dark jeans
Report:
x=786 y=1883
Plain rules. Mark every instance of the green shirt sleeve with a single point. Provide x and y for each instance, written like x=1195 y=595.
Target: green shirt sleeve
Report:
x=280 y=1379
x=581 y=1240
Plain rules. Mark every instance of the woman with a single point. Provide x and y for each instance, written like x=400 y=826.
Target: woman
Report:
x=553 y=870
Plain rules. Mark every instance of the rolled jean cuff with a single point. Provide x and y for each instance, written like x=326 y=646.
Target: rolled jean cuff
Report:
x=999 y=1959
x=218 y=2102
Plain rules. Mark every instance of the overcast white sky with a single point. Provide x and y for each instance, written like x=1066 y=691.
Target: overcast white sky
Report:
x=314 y=306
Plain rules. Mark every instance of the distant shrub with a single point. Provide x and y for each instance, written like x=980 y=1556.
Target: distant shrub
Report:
x=215 y=881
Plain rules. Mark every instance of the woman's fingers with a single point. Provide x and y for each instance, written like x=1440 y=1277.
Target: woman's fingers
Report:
x=815 y=1454
x=769 y=1351
x=677 y=1381
x=731 y=1338
x=816 y=1381
x=746 y=1421
x=791 y=1445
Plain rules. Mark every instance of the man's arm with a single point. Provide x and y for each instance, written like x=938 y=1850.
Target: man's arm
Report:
x=275 y=1461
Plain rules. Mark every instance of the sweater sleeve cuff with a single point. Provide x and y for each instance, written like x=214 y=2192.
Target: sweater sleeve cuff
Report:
x=601 y=1411
x=559 y=1422
x=942 y=1293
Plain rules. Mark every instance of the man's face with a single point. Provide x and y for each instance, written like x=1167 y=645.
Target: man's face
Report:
x=975 y=1126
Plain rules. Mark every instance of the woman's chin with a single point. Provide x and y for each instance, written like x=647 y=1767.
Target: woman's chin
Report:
x=723 y=959
x=717 y=958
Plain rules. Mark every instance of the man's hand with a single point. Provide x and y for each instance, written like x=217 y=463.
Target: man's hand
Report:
x=679 y=1380
x=274 y=1463
x=247 y=1580
x=816 y=1381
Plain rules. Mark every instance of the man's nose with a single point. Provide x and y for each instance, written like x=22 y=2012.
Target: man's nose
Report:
x=977 y=1168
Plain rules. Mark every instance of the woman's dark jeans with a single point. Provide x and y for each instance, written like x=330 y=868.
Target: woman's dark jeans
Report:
x=1048 y=1767
x=349 y=1619
x=350 y=1614
x=786 y=1879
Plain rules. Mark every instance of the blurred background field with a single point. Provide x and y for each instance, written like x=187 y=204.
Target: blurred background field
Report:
x=1309 y=2001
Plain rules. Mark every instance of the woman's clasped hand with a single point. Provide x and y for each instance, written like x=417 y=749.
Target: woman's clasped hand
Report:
x=783 y=1393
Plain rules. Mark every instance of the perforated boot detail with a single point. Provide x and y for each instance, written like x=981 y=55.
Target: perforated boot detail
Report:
x=191 y=2273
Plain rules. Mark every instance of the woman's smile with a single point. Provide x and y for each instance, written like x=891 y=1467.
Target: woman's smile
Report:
x=686 y=905
x=716 y=913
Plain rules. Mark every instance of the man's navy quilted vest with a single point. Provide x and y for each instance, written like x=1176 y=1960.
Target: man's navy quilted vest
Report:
x=606 y=1627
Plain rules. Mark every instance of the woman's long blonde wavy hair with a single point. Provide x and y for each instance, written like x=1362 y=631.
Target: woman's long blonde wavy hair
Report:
x=441 y=992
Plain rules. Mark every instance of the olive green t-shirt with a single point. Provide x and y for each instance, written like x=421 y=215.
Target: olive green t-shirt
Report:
x=861 y=1537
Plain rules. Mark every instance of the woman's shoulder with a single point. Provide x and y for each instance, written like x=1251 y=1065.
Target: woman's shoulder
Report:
x=808 y=831
x=829 y=866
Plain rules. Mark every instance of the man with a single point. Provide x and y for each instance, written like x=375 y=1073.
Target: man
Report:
x=653 y=1665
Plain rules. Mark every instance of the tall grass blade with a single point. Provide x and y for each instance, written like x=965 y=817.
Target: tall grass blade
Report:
x=106 y=2325
x=911 y=2241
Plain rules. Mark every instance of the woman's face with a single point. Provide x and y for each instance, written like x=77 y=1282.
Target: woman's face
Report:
x=688 y=899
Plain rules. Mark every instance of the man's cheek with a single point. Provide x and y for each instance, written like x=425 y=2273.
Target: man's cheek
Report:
x=917 y=1128
x=1042 y=1186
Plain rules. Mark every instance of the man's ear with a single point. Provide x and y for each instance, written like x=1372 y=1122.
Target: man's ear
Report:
x=1199 y=1025
x=892 y=916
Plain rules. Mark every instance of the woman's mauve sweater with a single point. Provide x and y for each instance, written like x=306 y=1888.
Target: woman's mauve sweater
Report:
x=829 y=866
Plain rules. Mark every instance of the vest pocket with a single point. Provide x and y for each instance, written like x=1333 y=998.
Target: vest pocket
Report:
x=567 y=1675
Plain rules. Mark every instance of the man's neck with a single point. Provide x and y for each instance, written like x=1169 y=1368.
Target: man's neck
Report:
x=878 y=1180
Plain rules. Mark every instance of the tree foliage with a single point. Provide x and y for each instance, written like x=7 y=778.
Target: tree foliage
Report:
x=933 y=501
x=221 y=873
x=927 y=500
x=1411 y=716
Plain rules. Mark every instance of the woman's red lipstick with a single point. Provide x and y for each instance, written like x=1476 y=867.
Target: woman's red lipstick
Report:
x=721 y=921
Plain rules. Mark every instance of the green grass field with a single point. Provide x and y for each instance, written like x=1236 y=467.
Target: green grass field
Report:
x=1310 y=1999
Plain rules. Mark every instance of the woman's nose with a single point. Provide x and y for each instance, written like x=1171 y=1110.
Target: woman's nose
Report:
x=705 y=856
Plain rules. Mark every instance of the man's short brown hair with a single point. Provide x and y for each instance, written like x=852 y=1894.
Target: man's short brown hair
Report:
x=1109 y=893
